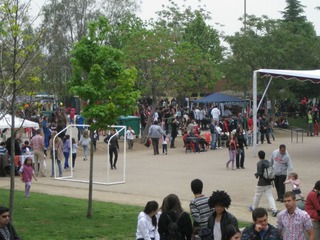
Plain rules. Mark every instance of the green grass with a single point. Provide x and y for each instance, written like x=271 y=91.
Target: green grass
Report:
x=50 y=217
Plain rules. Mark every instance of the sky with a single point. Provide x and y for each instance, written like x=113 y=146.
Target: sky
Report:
x=227 y=12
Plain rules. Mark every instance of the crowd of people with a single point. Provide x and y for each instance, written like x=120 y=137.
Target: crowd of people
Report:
x=210 y=219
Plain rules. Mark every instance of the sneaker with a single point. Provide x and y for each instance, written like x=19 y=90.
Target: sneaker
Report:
x=274 y=214
x=250 y=209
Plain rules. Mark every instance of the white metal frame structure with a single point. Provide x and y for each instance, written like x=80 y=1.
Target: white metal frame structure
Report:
x=70 y=178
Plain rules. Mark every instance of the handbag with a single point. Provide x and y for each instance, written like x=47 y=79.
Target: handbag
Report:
x=147 y=142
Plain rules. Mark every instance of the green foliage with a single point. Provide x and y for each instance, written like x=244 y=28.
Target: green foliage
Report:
x=293 y=11
x=101 y=78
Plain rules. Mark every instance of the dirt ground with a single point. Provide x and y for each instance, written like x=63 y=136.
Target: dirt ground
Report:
x=144 y=176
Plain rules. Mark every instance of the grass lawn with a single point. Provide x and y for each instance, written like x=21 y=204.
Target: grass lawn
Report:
x=45 y=216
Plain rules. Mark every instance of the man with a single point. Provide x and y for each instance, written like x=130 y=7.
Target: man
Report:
x=260 y=229
x=79 y=122
x=215 y=113
x=155 y=132
x=264 y=185
x=293 y=222
x=37 y=144
x=199 y=207
x=264 y=129
x=7 y=231
x=282 y=166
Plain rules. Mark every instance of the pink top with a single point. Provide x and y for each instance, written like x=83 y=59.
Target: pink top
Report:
x=26 y=172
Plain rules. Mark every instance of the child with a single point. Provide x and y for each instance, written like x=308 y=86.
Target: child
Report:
x=95 y=139
x=165 y=140
x=26 y=173
x=74 y=151
x=249 y=137
x=232 y=148
x=295 y=183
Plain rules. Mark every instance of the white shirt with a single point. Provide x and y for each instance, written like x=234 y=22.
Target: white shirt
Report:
x=130 y=134
x=215 y=113
x=145 y=229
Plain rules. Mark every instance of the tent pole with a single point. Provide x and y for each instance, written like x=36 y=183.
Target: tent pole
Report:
x=254 y=91
x=264 y=93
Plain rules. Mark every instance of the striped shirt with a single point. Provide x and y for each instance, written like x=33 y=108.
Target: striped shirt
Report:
x=200 y=211
x=37 y=142
x=294 y=225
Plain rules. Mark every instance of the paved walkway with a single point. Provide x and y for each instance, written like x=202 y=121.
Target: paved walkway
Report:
x=149 y=177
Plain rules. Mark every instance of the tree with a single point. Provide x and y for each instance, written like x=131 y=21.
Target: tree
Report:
x=66 y=21
x=20 y=64
x=101 y=78
x=293 y=11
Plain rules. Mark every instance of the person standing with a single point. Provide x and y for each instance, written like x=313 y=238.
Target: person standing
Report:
x=112 y=141
x=260 y=229
x=56 y=149
x=232 y=149
x=310 y=123
x=293 y=222
x=26 y=173
x=37 y=144
x=199 y=207
x=282 y=165
x=129 y=134
x=174 y=132
x=220 y=218
x=264 y=129
x=46 y=131
x=312 y=207
x=74 y=152
x=241 y=143
x=264 y=185
x=7 y=231
x=213 y=132
x=84 y=141
x=155 y=133
x=80 y=127
x=215 y=113
x=147 y=222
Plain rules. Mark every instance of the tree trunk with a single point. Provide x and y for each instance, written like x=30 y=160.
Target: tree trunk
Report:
x=89 y=211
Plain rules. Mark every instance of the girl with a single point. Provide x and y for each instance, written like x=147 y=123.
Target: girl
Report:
x=165 y=140
x=84 y=141
x=66 y=151
x=147 y=222
x=26 y=173
x=74 y=151
x=295 y=183
x=232 y=147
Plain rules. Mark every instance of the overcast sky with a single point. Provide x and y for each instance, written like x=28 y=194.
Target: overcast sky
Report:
x=227 y=12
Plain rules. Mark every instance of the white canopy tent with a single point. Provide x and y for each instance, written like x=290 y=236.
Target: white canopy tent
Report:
x=5 y=122
x=300 y=75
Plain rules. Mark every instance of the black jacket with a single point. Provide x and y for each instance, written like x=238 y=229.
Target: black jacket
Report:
x=261 y=165
x=113 y=142
x=227 y=218
x=12 y=231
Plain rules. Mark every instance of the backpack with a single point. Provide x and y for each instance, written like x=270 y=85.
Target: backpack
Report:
x=268 y=172
x=174 y=232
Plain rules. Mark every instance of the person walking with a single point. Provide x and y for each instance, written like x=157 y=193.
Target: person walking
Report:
x=260 y=229
x=174 y=132
x=293 y=222
x=155 y=133
x=129 y=134
x=66 y=150
x=264 y=129
x=112 y=141
x=84 y=141
x=74 y=152
x=26 y=173
x=264 y=185
x=56 y=149
x=37 y=144
x=282 y=165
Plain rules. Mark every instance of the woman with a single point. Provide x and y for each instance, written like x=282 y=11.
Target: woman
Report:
x=173 y=212
x=220 y=219
x=312 y=207
x=57 y=155
x=112 y=140
x=241 y=142
x=231 y=233
x=66 y=150
x=155 y=133
x=147 y=222
x=174 y=132
x=232 y=148
x=84 y=141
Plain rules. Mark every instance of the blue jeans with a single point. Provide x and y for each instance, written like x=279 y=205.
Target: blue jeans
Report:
x=66 y=158
x=85 y=151
x=59 y=167
x=213 y=141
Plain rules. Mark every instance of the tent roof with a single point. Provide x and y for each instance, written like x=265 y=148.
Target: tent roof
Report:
x=5 y=122
x=218 y=98
x=301 y=75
